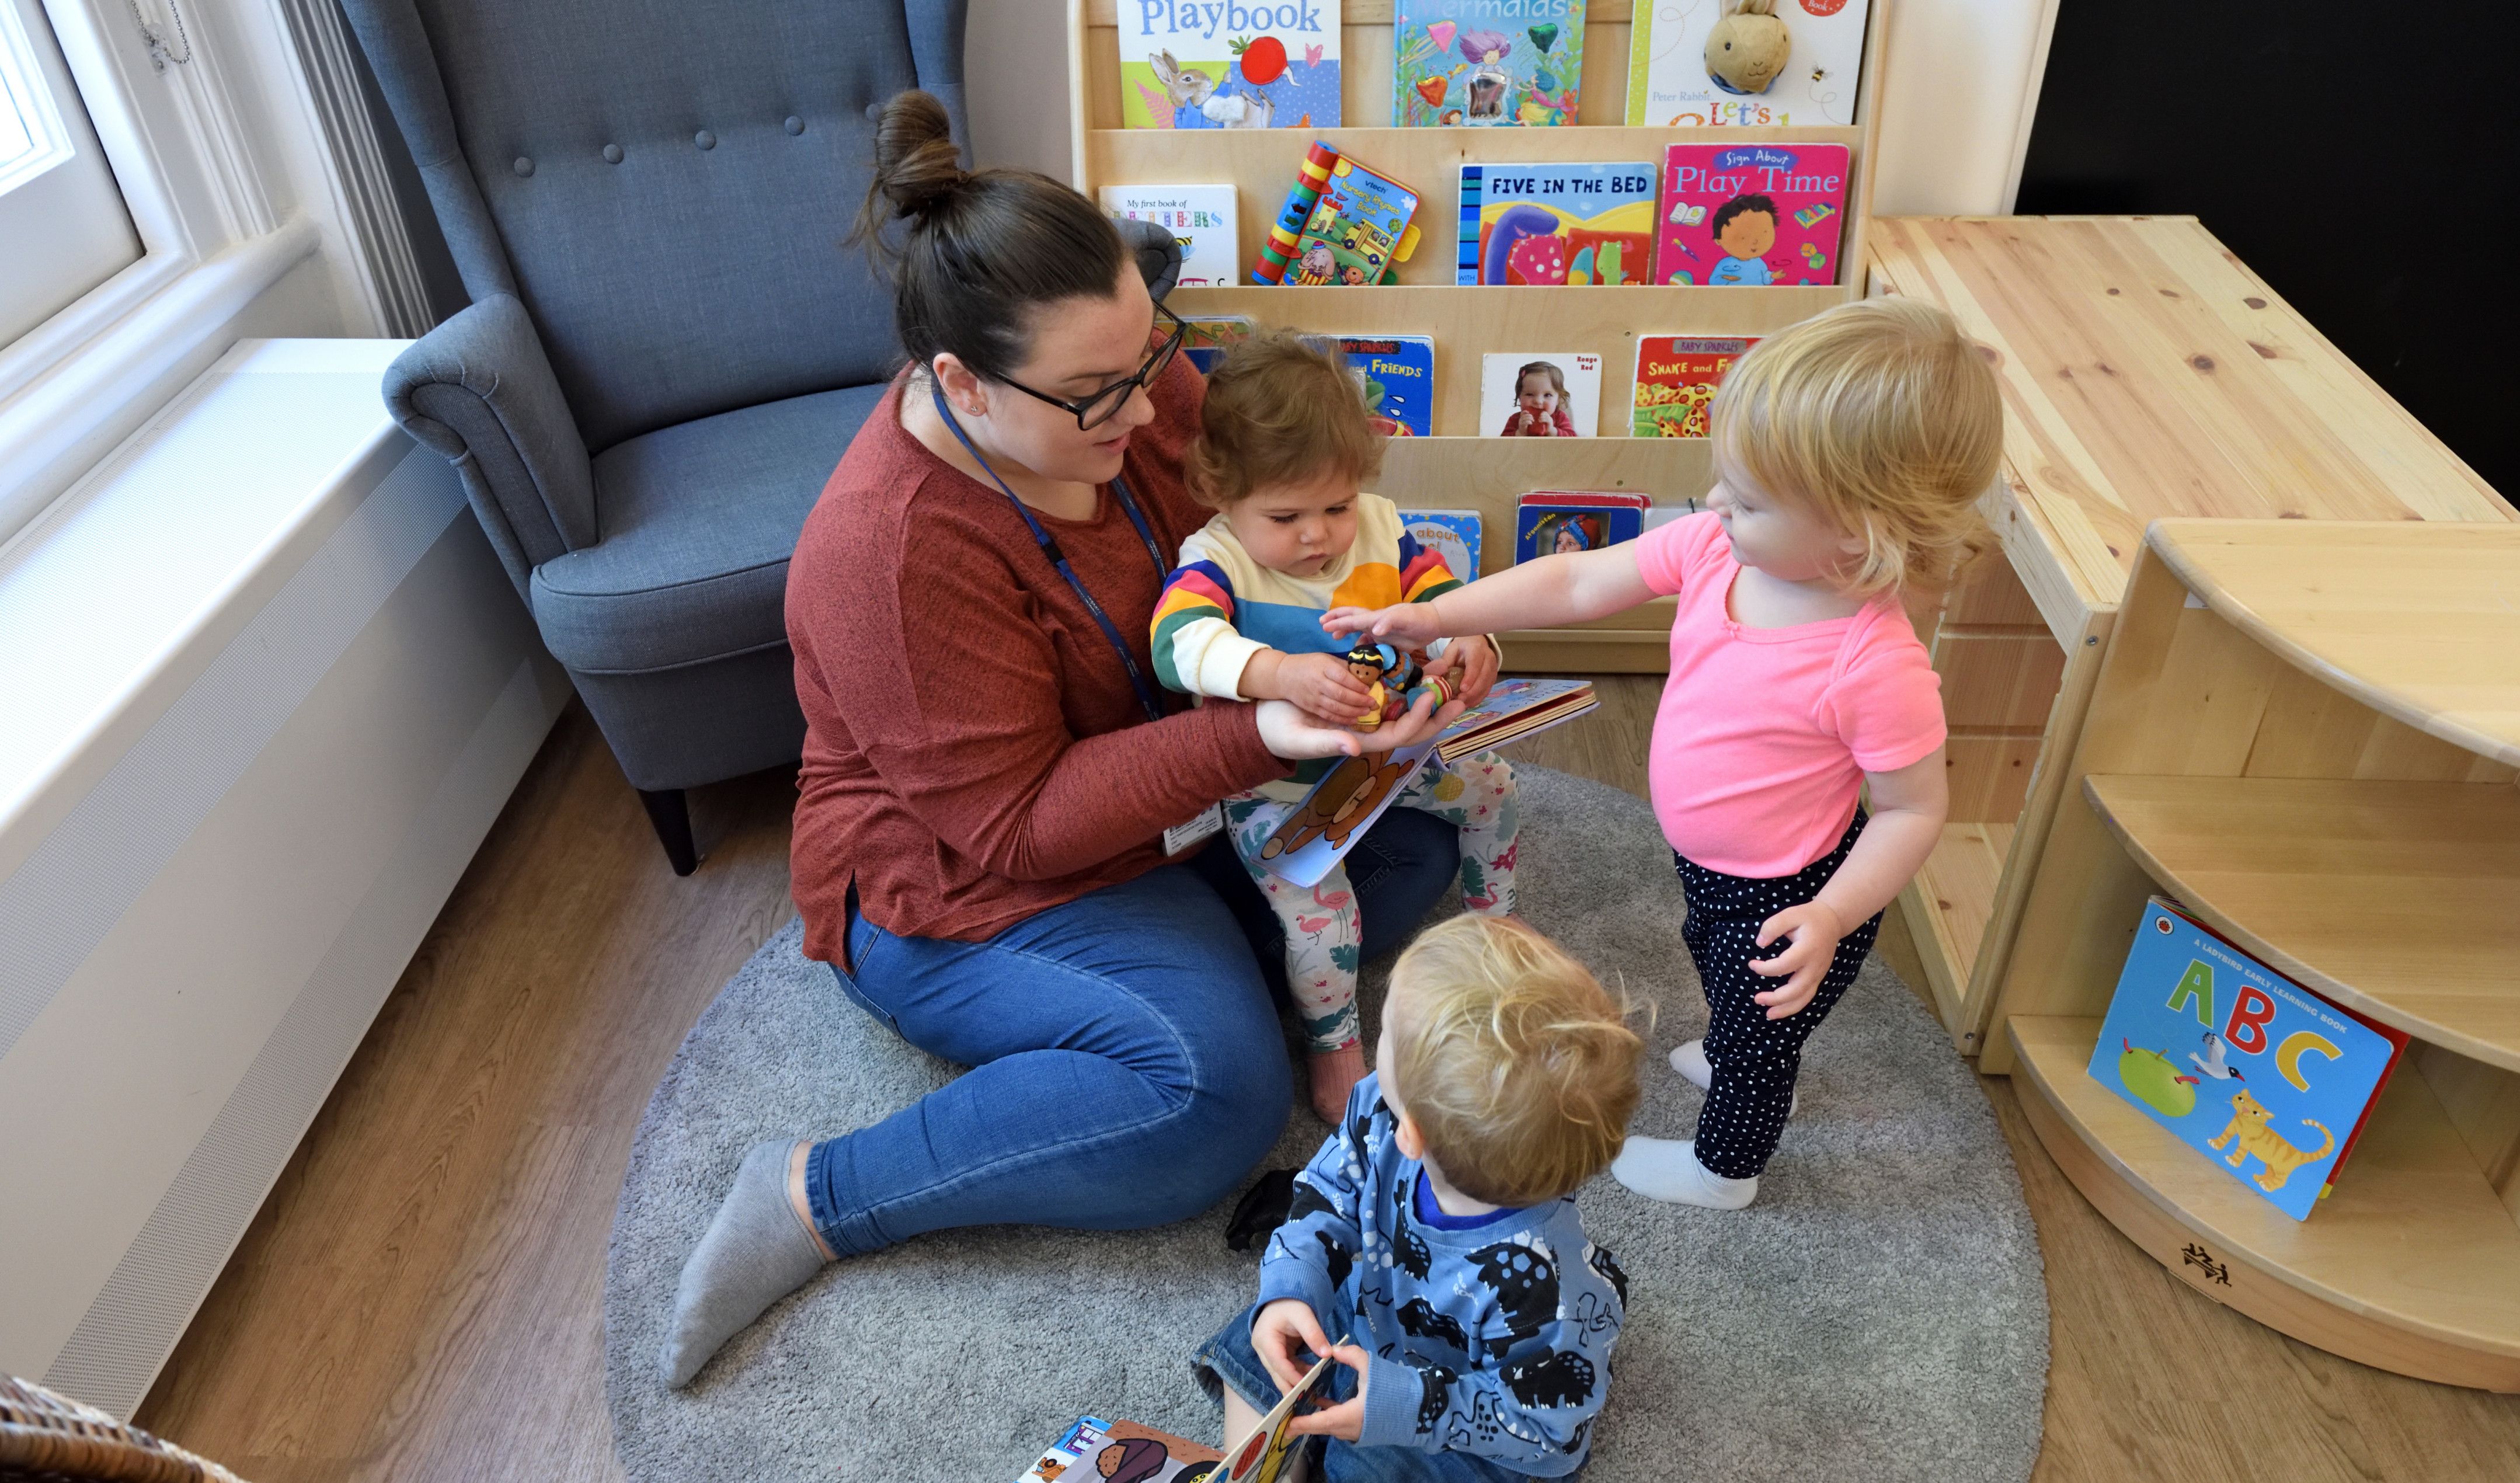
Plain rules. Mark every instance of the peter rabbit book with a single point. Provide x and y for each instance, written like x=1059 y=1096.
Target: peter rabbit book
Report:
x=1556 y=224
x=1201 y=218
x=1671 y=86
x=1246 y=65
x=1750 y=214
x=1396 y=373
x=1343 y=223
x=1456 y=535
x=1676 y=380
x=2247 y=1067
x=1094 y=1450
x=1485 y=62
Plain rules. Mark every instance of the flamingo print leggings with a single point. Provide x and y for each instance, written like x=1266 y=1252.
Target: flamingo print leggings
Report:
x=1474 y=794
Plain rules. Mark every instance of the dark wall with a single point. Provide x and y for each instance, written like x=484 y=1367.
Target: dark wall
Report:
x=2365 y=160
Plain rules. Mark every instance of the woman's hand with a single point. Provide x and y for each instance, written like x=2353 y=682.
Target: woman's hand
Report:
x=1419 y=723
x=1472 y=662
x=1410 y=624
x=1296 y=737
x=1814 y=929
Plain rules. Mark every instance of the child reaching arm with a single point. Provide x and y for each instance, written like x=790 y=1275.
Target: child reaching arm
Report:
x=1850 y=451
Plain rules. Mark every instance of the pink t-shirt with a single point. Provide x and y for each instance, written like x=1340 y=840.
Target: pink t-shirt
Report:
x=1765 y=734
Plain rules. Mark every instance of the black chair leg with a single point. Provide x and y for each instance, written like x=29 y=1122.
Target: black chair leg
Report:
x=671 y=814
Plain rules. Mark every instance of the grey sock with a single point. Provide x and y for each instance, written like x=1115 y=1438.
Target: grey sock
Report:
x=757 y=1251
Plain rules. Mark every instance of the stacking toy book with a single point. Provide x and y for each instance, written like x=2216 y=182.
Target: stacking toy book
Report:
x=1676 y=380
x=2250 y=1069
x=1396 y=373
x=1751 y=214
x=1456 y=535
x=1669 y=86
x=1486 y=63
x=1556 y=224
x=1201 y=218
x=1343 y=223
x=1250 y=64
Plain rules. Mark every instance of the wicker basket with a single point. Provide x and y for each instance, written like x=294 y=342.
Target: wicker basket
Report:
x=45 y=1438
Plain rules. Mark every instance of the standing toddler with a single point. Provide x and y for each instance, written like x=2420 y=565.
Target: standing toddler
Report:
x=1850 y=452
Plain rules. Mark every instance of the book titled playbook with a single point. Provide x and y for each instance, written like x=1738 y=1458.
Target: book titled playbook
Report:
x=1751 y=214
x=1396 y=373
x=1486 y=63
x=1201 y=218
x=1556 y=224
x=1676 y=380
x=1669 y=86
x=1343 y=223
x=1189 y=64
x=2247 y=1067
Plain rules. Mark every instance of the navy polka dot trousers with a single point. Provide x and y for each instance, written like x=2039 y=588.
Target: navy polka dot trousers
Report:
x=1756 y=1058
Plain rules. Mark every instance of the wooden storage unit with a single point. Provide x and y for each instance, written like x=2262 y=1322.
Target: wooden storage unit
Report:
x=1457 y=469
x=2309 y=735
x=2146 y=371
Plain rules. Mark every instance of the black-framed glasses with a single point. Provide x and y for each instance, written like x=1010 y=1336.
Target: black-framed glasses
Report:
x=1094 y=411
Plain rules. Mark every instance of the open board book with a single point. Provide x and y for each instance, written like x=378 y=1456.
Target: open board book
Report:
x=1096 y=1450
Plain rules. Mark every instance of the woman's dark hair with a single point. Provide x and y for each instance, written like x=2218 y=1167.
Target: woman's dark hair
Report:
x=979 y=250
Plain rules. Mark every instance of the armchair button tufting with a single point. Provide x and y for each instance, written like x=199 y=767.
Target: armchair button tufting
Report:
x=522 y=166
x=874 y=110
x=796 y=125
x=705 y=140
x=613 y=154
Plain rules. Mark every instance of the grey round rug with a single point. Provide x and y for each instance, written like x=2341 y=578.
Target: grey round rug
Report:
x=1880 y=1313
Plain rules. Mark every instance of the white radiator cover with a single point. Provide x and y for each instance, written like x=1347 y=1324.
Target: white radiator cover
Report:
x=226 y=837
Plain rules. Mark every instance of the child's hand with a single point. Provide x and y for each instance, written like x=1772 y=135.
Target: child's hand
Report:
x=1324 y=687
x=1346 y=1419
x=1471 y=664
x=1815 y=931
x=1409 y=624
x=1282 y=1330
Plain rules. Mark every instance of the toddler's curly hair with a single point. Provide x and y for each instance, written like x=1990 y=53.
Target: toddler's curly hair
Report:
x=1278 y=412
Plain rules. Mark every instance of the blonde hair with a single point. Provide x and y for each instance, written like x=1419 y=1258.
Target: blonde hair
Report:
x=1277 y=412
x=1885 y=418
x=1517 y=1066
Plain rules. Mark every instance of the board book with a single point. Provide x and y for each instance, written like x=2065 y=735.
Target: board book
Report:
x=2245 y=1066
x=1669 y=86
x=1486 y=63
x=1201 y=218
x=1547 y=521
x=1320 y=831
x=1456 y=535
x=1547 y=225
x=1396 y=373
x=1751 y=214
x=1205 y=336
x=1575 y=376
x=1676 y=380
x=1094 y=1450
x=1343 y=223
x=1257 y=64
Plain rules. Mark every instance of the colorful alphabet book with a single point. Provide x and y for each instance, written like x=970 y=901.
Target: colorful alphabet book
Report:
x=1343 y=223
x=1456 y=535
x=1751 y=214
x=1676 y=380
x=1486 y=63
x=1571 y=378
x=1547 y=521
x=1553 y=224
x=1201 y=218
x=1249 y=64
x=1397 y=375
x=1669 y=86
x=2250 y=1069
x=1135 y=1451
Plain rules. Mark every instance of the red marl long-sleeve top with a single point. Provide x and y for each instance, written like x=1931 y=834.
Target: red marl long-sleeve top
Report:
x=974 y=753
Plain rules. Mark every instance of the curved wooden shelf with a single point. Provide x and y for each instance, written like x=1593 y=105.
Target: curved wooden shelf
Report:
x=2411 y=1264
x=2415 y=620
x=2399 y=899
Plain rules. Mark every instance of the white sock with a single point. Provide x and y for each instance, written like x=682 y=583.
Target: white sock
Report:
x=1667 y=1169
x=1689 y=1060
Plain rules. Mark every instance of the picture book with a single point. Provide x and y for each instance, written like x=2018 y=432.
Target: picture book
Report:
x=1676 y=380
x=1343 y=223
x=1540 y=393
x=1752 y=213
x=2252 y=1070
x=1397 y=375
x=1204 y=337
x=1095 y=1450
x=1553 y=224
x=1321 y=829
x=1485 y=62
x=1548 y=521
x=1261 y=1457
x=1201 y=218
x=1670 y=85
x=1252 y=64
x=1453 y=534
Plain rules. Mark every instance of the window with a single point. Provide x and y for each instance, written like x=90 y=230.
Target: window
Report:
x=64 y=227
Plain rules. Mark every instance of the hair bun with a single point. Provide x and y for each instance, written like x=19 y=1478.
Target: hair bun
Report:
x=916 y=165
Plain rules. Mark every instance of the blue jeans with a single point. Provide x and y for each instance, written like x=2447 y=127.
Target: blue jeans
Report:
x=1127 y=1064
x=1229 y=1359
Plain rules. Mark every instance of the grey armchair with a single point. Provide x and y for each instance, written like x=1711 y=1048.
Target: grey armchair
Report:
x=668 y=347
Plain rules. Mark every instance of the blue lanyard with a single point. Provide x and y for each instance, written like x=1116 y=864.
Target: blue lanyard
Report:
x=1147 y=695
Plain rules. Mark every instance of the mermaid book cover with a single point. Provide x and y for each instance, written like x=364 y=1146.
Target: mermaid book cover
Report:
x=2250 y=1069
x=1486 y=63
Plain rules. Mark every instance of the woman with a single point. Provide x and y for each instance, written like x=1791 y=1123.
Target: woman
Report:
x=998 y=843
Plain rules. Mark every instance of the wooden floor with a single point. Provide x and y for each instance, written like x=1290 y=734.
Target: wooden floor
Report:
x=420 y=1299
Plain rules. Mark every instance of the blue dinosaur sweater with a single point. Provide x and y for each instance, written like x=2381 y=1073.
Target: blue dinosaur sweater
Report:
x=1493 y=1340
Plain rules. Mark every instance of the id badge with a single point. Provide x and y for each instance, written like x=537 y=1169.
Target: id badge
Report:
x=1181 y=838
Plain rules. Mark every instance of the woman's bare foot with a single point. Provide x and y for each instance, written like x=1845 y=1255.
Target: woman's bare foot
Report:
x=1335 y=1074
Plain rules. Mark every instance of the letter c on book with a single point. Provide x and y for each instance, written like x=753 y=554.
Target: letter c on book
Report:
x=2298 y=1044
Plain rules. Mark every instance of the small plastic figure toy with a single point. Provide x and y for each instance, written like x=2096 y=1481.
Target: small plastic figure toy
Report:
x=1366 y=663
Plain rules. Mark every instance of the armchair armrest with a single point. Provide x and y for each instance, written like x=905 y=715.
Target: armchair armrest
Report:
x=480 y=389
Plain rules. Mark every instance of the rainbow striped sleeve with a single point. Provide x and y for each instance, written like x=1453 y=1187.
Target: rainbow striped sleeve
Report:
x=1422 y=572
x=1196 y=646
